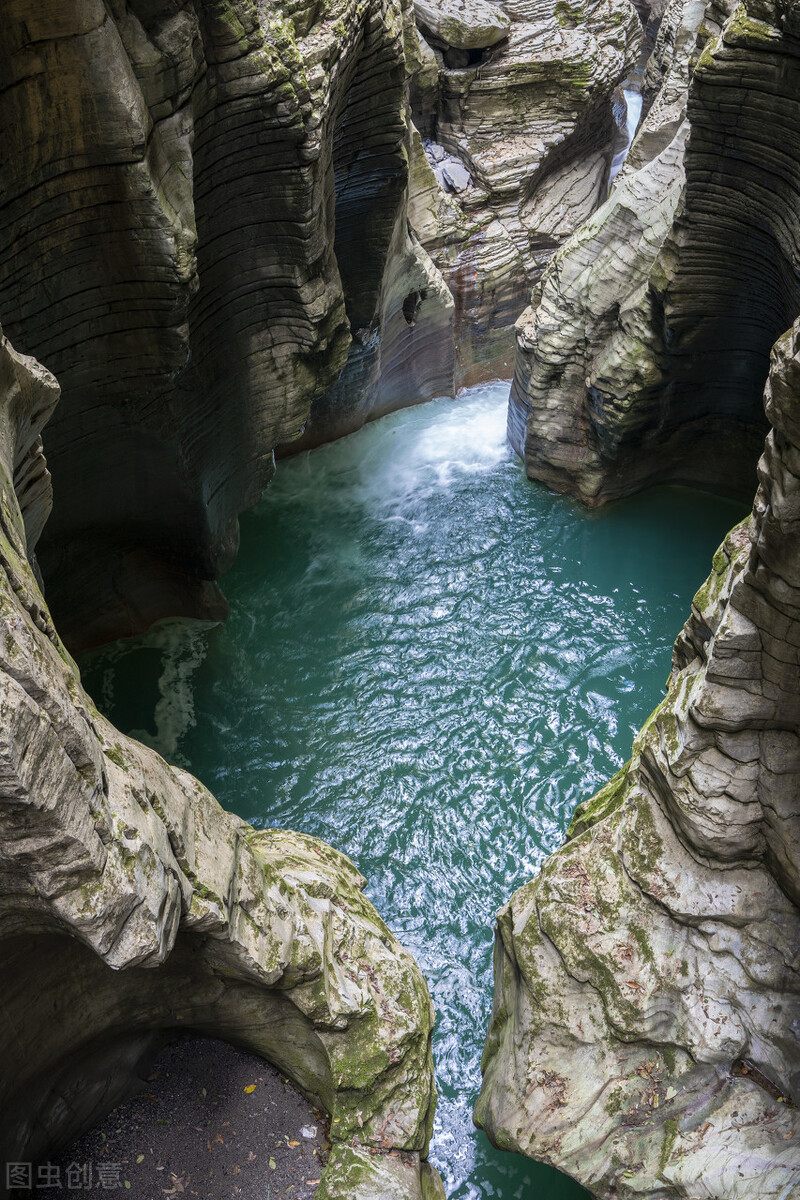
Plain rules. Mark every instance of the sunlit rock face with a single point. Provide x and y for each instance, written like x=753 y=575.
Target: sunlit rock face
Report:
x=643 y=356
x=133 y=907
x=202 y=222
x=647 y=983
x=523 y=104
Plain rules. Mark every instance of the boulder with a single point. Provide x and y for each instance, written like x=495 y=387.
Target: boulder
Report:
x=463 y=24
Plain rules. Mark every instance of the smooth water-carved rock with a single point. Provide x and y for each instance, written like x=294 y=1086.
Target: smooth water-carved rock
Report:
x=204 y=223
x=644 y=354
x=531 y=121
x=647 y=983
x=132 y=906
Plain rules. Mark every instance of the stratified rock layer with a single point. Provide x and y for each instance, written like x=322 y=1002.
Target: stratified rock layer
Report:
x=644 y=356
x=206 y=206
x=529 y=121
x=647 y=983
x=132 y=906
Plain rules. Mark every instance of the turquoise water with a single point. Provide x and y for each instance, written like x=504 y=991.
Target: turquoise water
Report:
x=428 y=662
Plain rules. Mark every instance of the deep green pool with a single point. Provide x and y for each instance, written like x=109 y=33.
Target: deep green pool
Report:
x=429 y=661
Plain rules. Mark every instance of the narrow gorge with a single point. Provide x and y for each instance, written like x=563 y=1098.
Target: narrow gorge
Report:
x=273 y=525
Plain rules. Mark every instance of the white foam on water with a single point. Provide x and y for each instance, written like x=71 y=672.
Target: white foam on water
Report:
x=434 y=451
x=392 y=466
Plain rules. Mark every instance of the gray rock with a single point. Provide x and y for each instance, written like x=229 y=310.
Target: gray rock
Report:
x=647 y=983
x=532 y=123
x=131 y=904
x=455 y=175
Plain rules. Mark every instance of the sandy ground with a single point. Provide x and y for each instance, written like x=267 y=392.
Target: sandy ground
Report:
x=214 y=1123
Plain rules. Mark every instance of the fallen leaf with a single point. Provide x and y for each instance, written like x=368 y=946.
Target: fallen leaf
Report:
x=236 y=1170
x=139 y=1158
x=251 y=1087
x=293 y=1144
x=272 y=1164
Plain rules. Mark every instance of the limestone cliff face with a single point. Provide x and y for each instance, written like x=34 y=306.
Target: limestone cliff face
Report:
x=132 y=906
x=647 y=983
x=203 y=222
x=644 y=355
x=521 y=102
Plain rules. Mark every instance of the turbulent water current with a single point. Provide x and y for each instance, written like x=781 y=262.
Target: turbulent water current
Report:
x=429 y=661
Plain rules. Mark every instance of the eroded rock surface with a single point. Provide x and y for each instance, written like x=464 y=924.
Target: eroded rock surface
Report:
x=644 y=354
x=204 y=224
x=132 y=906
x=530 y=119
x=647 y=983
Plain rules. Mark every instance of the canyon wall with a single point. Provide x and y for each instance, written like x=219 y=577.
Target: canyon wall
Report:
x=514 y=105
x=647 y=983
x=643 y=356
x=202 y=224
x=132 y=907
x=222 y=233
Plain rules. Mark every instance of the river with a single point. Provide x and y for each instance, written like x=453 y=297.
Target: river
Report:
x=429 y=661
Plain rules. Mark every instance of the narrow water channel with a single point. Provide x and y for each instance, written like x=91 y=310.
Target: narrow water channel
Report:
x=428 y=662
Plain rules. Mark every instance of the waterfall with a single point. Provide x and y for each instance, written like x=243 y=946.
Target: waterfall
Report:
x=633 y=103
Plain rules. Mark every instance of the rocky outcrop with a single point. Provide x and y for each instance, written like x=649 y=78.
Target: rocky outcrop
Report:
x=528 y=119
x=204 y=224
x=644 y=355
x=647 y=983
x=462 y=24
x=132 y=906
